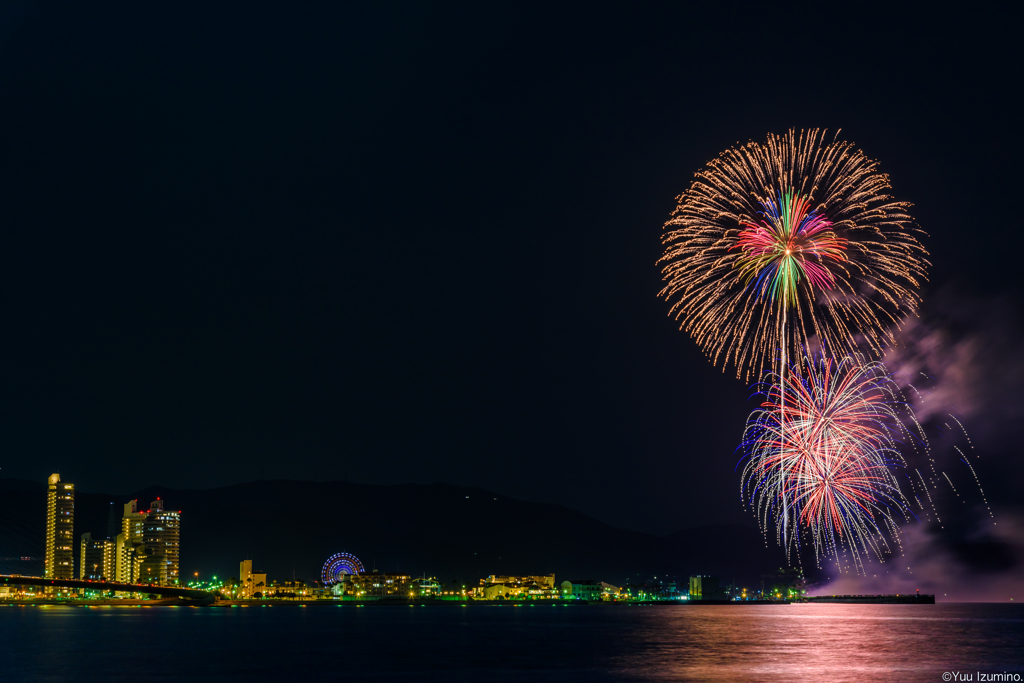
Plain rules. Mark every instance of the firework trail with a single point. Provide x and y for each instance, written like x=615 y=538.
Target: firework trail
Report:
x=795 y=228
x=822 y=456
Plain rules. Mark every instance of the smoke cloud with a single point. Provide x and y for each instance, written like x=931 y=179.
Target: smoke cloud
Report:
x=965 y=357
x=981 y=566
x=961 y=364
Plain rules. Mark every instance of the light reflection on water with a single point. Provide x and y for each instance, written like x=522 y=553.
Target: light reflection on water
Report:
x=831 y=642
x=492 y=643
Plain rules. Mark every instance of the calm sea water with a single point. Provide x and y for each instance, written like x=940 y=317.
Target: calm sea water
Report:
x=506 y=643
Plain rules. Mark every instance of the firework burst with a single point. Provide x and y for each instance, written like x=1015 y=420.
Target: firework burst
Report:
x=822 y=456
x=795 y=227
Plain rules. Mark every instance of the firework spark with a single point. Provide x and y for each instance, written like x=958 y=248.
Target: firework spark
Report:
x=796 y=222
x=822 y=456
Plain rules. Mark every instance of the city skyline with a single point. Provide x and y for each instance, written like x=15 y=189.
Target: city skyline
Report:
x=142 y=561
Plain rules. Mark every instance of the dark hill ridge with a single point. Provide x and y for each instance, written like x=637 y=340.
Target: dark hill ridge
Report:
x=290 y=527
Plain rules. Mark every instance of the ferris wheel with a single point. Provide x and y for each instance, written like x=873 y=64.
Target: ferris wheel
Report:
x=338 y=566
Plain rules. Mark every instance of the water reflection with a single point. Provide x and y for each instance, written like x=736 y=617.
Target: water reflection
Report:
x=822 y=642
x=493 y=643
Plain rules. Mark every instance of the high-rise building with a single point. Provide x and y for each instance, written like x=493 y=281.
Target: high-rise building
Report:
x=147 y=548
x=113 y=521
x=59 y=561
x=161 y=534
x=96 y=561
x=129 y=548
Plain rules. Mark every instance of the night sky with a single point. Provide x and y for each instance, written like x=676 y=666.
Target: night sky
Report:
x=404 y=243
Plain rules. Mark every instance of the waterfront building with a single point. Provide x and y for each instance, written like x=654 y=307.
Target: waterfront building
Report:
x=589 y=590
x=374 y=584
x=500 y=591
x=96 y=560
x=290 y=589
x=252 y=584
x=148 y=548
x=128 y=558
x=547 y=580
x=129 y=547
x=113 y=520
x=59 y=560
x=518 y=587
x=706 y=588
x=161 y=532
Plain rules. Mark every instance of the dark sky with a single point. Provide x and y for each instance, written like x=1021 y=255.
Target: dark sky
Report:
x=409 y=243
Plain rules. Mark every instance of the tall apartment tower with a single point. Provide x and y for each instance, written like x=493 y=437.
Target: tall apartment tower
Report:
x=161 y=534
x=60 y=537
x=96 y=561
x=129 y=549
x=147 y=549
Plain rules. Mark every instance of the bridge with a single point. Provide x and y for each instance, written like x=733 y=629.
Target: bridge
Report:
x=166 y=591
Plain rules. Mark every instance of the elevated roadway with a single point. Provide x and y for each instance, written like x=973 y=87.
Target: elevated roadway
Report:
x=166 y=591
